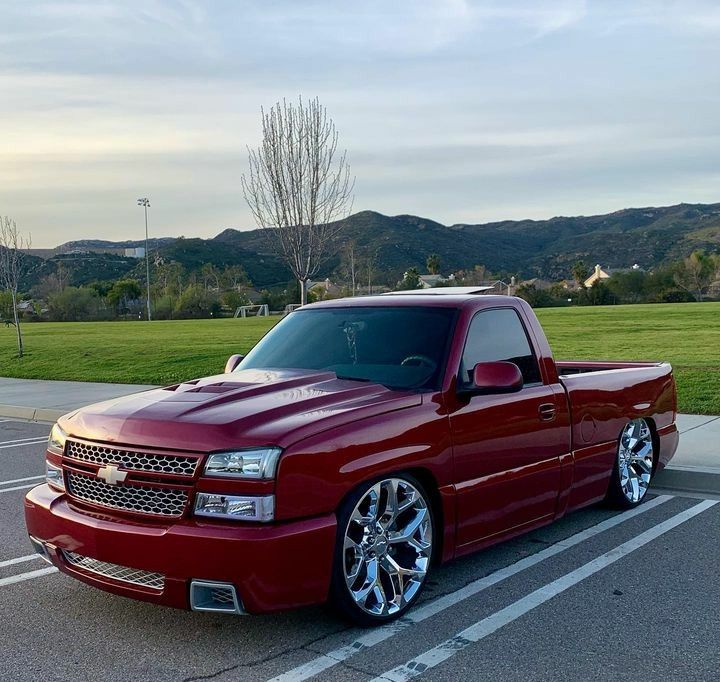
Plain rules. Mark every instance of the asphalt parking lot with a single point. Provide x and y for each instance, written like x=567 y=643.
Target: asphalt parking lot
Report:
x=597 y=596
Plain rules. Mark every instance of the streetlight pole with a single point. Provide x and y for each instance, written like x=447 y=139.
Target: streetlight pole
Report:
x=145 y=203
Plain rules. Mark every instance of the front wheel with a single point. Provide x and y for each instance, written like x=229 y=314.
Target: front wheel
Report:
x=633 y=465
x=384 y=550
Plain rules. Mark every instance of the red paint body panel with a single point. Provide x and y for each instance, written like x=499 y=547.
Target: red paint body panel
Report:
x=254 y=557
x=495 y=465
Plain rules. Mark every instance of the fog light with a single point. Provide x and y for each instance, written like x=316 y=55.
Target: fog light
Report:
x=240 y=508
x=54 y=476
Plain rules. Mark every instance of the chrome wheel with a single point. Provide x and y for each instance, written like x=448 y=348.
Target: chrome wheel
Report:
x=635 y=460
x=387 y=547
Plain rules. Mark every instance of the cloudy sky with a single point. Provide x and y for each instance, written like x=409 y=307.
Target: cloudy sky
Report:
x=457 y=110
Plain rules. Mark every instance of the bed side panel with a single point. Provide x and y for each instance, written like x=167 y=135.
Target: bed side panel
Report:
x=601 y=404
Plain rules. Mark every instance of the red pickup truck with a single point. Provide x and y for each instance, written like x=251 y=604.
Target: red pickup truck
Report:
x=359 y=444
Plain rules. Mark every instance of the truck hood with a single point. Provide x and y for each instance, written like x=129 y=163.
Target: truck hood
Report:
x=240 y=409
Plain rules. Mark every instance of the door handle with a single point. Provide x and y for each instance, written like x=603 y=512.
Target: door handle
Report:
x=546 y=412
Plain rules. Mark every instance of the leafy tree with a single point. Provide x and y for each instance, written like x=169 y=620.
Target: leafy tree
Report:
x=598 y=294
x=196 y=302
x=697 y=272
x=537 y=298
x=629 y=287
x=580 y=272
x=74 y=304
x=169 y=278
x=6 y=306
x=410 y=280
x=164 y=308
x=123 y=293
x=433 y=264
x=233 y=299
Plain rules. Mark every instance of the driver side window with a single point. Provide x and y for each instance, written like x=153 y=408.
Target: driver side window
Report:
x=499 y=335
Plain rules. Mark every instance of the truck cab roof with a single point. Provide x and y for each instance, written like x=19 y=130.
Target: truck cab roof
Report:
x=446 y=297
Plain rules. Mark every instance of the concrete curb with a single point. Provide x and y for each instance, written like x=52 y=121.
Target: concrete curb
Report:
x=33 y=414
x=689 y=479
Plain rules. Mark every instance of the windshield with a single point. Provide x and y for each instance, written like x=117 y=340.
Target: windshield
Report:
x=399 y=347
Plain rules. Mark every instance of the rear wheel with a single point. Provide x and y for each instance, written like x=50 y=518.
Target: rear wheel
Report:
x=384 y=550
x=633 y=465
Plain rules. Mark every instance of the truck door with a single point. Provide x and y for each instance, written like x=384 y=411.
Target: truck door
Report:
x=508 y=447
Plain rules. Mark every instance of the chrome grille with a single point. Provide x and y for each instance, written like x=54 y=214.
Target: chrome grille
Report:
x=177 y=465
x=160 y=501
x=135 y=576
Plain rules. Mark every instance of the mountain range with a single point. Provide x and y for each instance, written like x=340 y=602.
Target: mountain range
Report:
x=528 y=248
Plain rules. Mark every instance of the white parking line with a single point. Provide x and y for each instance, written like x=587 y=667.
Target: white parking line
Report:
x=21 y=577
x=481 y=629
x=19 y=487
x=21 y=440
x=36 y=441
x=22 y=480
x=419 y=614
x=19 y=560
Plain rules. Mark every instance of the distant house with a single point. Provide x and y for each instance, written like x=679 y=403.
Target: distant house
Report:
x=323 y=290
x=430 y=281
x=538 y=283
x=601 y=274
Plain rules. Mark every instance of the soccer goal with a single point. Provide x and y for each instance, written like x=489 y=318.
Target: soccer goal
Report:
x=259 y=310
x=290 y=307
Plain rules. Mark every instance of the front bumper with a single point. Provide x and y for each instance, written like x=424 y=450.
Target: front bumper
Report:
x=272 y=566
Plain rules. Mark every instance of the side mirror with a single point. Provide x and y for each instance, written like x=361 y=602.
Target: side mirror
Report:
x=233 y=362
x=494 y=377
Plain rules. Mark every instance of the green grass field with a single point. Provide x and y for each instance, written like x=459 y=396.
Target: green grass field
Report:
x=687 y=335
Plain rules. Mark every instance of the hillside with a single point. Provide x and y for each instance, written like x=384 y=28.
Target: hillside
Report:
x=529 y=248
x=544 y=248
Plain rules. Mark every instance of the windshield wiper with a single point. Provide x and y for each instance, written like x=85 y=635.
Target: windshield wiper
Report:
x=346 y=378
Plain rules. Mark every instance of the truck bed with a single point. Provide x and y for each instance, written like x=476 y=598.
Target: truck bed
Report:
x=604 y=396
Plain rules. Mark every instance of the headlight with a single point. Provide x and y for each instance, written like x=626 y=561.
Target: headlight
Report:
x=56 y=441
x=259 y=463
x=54 y=476
x=238 y=507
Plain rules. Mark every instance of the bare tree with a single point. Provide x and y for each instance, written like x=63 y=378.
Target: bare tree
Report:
x=370 y=260
x=12 y=259
x=299 y=185
x=350 y=265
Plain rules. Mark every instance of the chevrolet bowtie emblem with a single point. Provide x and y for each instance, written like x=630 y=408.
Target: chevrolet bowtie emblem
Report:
x=111 y=474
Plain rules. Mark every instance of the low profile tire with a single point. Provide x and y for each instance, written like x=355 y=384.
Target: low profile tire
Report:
x=384 y=550
x=633 y=465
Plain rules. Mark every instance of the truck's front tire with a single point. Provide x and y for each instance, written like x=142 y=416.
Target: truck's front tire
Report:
x=633 y=465
x=384 y=549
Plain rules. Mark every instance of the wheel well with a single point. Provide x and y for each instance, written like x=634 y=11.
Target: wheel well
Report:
x=655 y=441
x=431 y=487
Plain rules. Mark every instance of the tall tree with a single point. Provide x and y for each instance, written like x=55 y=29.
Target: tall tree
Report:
x=580 y=272
x=12 y=260
x=410 y=280
x=433 y=264
x=299 y=185
x=350 y=264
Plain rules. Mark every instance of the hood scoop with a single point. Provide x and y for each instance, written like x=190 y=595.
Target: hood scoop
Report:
x=222 y=387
